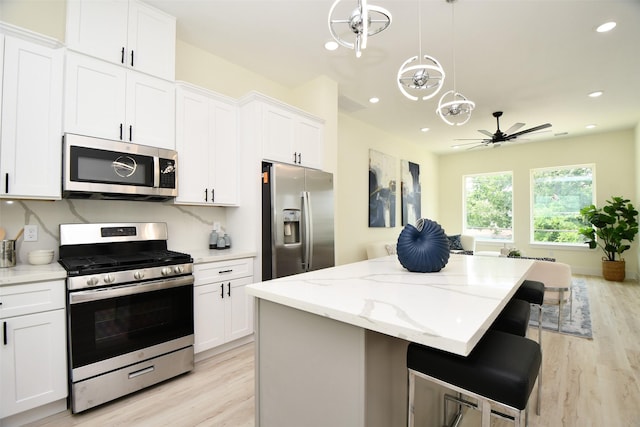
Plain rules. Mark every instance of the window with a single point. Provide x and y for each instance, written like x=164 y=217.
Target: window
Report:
x=557 y=195
x=488 y=206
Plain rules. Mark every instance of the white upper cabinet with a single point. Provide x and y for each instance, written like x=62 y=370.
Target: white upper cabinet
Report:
x=124 y=32
x=108 y=101
x=207 y=145
x=31 y=125
x=288 y=135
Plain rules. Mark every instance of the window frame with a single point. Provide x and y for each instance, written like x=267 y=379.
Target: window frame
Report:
x=466 y=230
x=572 y=245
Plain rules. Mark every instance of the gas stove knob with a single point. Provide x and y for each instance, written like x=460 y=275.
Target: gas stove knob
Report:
x=92 y=281
x=166 y=271
x=109 y=278
x=138 y=275
x=178 y=269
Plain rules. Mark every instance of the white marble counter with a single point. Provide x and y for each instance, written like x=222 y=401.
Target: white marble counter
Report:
x=211 y=255
x=449 y=310
x=25 y=273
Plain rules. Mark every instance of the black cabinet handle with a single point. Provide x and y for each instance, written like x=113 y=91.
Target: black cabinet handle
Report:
x=206 y=195
x=212 y=195
x=229 y=291
x=299 y=158
x=294 y=157
x=122 y=56
x=6 y=183
x=4 y=333
x=225 y=271
x=222 y=290
x=120 y=131
x=130 y=133
x=132 y=58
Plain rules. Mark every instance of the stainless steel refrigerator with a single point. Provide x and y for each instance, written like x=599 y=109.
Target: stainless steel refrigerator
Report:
x=297 y=220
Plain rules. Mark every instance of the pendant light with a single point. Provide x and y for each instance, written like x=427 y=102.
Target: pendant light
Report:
x=365 y=21
x=424 y=79
x=454 y=108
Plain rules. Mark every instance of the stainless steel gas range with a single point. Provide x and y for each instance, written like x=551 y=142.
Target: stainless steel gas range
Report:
x=130 y=309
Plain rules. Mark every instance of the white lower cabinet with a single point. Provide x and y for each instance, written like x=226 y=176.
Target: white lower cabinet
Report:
x=222 y=310
x=33 y=348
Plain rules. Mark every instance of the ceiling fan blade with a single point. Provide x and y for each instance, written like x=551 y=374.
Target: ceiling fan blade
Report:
x=533 y=129
x=485 y=132
x=514 y=128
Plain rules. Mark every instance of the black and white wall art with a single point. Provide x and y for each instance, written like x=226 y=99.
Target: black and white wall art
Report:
x=382 y=190
x=411 y=192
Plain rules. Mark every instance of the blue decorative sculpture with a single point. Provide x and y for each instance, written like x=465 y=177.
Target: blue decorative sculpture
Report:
x=423 y=248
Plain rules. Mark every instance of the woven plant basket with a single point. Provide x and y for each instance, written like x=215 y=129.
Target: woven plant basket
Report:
x=613 y=270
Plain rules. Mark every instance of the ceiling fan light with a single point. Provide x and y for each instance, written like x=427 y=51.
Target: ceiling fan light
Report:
x=364 y=21
x=457 y=110
x=420 y=81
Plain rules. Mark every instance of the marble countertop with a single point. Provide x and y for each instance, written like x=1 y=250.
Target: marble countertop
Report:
x=449 y=310
x=211 y=255
x=25 y=273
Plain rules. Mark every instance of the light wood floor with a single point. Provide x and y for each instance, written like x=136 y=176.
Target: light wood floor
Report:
x=586 y=382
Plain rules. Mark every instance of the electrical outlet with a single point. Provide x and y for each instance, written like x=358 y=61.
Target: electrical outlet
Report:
x=30 y=233
x=216 y=226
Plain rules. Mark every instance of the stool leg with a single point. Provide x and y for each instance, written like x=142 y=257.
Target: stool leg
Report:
x=412 y=392
x=540 y=371
x=485 y=407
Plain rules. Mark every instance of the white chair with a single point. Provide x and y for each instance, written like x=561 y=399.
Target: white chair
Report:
x=380 y=249
x=556 y=277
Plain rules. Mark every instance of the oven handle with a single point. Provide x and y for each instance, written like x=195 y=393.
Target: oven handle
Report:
x=130 y=289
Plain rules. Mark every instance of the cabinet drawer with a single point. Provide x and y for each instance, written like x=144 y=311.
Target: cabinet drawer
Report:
x=17 y=300
x=222 y=270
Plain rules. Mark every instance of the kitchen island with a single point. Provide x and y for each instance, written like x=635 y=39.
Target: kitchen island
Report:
x=331 y=344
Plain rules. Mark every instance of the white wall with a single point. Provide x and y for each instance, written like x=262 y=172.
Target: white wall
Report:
x=613 y=154
x=355 y=140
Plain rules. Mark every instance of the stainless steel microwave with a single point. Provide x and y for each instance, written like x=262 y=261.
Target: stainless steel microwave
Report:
x=95 y=168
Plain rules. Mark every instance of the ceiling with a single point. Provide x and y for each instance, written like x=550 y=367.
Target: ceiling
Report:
x=536 y=60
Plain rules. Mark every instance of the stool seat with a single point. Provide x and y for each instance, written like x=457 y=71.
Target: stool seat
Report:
x=502 y=367
x=531 y=291
x=514 y=318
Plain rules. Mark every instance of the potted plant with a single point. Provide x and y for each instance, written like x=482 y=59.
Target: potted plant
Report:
x=612 y=227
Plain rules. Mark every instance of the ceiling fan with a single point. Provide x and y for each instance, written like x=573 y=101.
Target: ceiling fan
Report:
x=496 y=139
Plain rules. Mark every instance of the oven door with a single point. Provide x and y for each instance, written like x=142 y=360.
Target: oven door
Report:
x=113 y=327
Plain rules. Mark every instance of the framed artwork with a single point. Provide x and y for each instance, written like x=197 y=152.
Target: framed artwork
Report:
x=382 y=190
x=411 y=192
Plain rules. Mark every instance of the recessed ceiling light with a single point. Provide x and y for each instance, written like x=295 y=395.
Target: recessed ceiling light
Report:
x=374 y=100
x=607 y=26
x=591 y=126
x=331 y=45
x=424 y=129
x=596 y=94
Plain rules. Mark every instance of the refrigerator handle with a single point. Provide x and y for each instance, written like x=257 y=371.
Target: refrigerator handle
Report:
x=307 y=227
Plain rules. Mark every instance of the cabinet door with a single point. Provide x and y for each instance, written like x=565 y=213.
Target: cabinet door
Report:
x=309 y=137
x=278 y=134
x=98 y=28
x=239 y=310
x=224 y=147
x=209 y=316
x=150 y=111
x=33 y=361
x=95 y=93
x=30 y=151
x=192 y=144
x=151 y=41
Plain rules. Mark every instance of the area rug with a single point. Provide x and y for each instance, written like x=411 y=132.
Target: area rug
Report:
x=578 y=323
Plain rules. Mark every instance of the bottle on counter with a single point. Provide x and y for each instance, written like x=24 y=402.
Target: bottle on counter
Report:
x=227 y=241
x=213 y=240
x=221 y=243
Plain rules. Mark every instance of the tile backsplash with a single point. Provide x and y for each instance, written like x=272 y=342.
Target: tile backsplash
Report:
x=189 y=226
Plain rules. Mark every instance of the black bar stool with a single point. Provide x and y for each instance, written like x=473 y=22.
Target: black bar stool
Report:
x=514 y=318
x=532 y=291
x=499 y=373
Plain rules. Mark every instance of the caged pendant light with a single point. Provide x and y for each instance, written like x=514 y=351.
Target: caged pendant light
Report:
x=424 y=79
x=365 y=21
x=454 y=108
